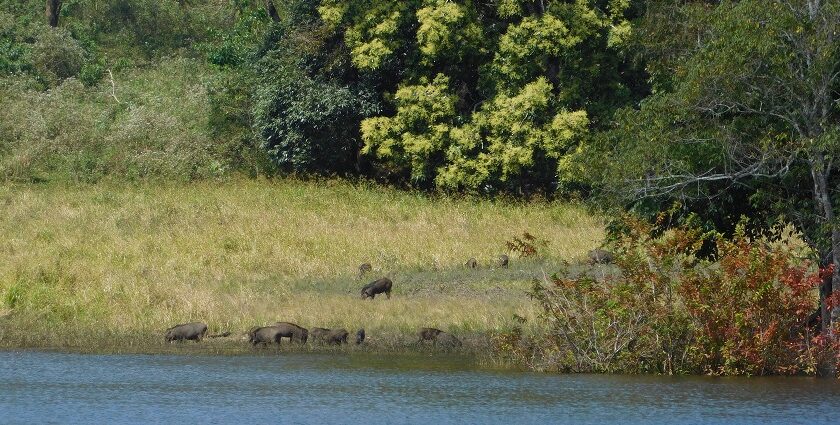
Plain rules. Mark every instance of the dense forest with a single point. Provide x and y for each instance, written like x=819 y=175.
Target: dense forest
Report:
x=725 y=114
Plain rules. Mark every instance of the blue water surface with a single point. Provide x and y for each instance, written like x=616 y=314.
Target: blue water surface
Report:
x=38 y=387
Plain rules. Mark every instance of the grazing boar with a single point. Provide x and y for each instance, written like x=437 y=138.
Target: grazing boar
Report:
x=377 y=287
x=264 y=335
x=428 y=334
x=437 y=336
x=471 y=263
x=187 y=331
x=319 y=334
x=337 y=336
x=275 y=333
x=292 y=331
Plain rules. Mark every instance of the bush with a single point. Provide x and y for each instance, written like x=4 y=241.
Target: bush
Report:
x=152 y=24
x=307 y=125
x=158 y=129
x=57 y=55
x=667 y=309
x=13 y=53
x=91 y=73
x=308 y=102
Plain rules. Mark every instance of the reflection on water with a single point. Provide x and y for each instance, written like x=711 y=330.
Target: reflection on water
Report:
x=309 y=388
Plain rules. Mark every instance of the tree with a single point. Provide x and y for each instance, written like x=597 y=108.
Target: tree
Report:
x=307 y=103
x=53 y=9
x=485 y=96
x=746 y=98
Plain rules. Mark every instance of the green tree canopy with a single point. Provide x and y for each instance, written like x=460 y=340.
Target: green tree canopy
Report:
x=746 y=99
x=485 y=97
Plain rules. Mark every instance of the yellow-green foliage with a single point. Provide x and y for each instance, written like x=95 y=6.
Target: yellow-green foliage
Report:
x=419 y=130
x=136 y=259
x=497 y=98
x=513 y=133
x=446 y=30
x=375 y=38
x=508 y=132
x=526 y=46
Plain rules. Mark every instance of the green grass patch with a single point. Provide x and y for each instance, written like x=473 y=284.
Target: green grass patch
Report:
x=81 y=264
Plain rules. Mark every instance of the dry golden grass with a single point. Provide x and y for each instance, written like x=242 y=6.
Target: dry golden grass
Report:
x=116 y=258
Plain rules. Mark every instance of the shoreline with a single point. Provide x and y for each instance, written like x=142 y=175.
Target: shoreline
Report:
x=420 y=358
x=474 y=346
x=468 y=357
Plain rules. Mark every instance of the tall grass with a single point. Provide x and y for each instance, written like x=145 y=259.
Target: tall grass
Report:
x=146 y=121
x=79 y=261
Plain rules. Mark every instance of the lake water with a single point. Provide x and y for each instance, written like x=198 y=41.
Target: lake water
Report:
x=37 y=387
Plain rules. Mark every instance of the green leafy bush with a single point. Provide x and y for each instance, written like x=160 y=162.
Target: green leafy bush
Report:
x=149 y=24
x=13 y=52
x=308 y=125
x=57 y=55
x=308 y=102
x=91 y=73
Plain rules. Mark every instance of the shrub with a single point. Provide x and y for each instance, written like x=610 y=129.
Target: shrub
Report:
x=158 y=129
x=309 y=125
x=91 y=73
x=152 y=24
x=13 y=53
x=742 y=310
x=308 y=103
x=57 y=55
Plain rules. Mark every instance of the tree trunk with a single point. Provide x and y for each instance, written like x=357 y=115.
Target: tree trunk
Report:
x=272 y=11
x=53 y=8
x=825 y=209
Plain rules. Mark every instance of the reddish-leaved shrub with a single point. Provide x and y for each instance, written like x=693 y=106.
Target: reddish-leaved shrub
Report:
x=741 y=310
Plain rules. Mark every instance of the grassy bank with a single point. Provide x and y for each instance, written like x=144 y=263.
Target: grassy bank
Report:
x=109 y=264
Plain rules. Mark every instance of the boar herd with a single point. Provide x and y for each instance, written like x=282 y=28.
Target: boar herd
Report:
x=273 y=334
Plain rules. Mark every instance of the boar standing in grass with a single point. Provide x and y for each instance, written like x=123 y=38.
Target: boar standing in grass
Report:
x=264 y=335
x=471 y=263
x=364 y=269
x=600 y=256
x=428 y=334
x=504 y=261
x=319 y=334
x=275 y=333
x=187 y=331
x=448 y=340
x=360 y=336
x=292 y=331
x=337 y=336
x=437 y=336
x=378 y=286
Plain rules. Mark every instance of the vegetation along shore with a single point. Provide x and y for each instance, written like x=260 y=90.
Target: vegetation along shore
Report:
x=661 y=177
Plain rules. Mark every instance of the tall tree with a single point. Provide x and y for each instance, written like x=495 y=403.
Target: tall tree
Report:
x=485 y=96
x=746 y=99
